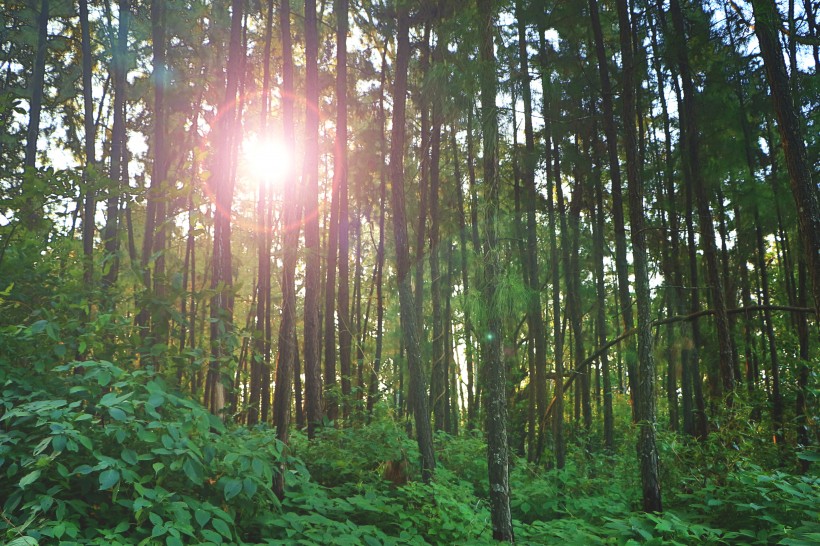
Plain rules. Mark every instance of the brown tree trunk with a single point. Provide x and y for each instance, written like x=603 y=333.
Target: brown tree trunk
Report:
x=222 y=185
x=690 y=126
x=645 y=397
x=409 y=323
x=804 y=190
x=310 y=183
x=90 y=205
x=110 y=233
x=536 y=321
x=37 y=83
x=496 y=414
x=621 y=265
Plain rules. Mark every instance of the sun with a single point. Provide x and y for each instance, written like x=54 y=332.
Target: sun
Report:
x=266 y=159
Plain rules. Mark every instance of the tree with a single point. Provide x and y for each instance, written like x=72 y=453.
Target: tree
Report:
x=496 y=413
x=417 y=388
x=805 y=192
x=645 y=397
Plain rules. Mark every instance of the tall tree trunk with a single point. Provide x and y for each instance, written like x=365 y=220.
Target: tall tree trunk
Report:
x=621 y=265
x=600 y=290
x=409 y=323
x=373 y=390
x=291 y=216
x=438 y=376
x=262 y=347
x=90 y=206
x=223 y=186
x=553 y=178
x=804 y=190
x=645 y=397
x=534 y=310
x=37 y=83
x=110 y=234
x=496 y=414
x=465 y=282
x=310 y=182
x=690 y=126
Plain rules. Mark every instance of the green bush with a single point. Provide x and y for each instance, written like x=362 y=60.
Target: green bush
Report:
x=107 y=456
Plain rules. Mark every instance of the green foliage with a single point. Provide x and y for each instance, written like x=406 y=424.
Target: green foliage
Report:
x=107 y=456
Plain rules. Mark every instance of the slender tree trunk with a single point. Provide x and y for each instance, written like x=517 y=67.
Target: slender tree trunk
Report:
x=497 y=448
x=409 y=323
x=645 y=397
x=600 y=290
x=465 y=282
x=558 y=340
x=805 y=192
x=534 y=310
x=372 y=393
x=290 y=240
x=689 y=121
x=110 y=234
x=223 y=185
x=310 y=182
x=37 y=84
x=89 y=180
x=621 y=265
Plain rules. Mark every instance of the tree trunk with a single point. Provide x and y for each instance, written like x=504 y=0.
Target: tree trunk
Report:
x=804 y=190
x=496 y=414
x=222 y=185
x=90 y=206
x=689 y=122
x=553 y=177
x=536 y=322
x=621 y=265
x=645 y=397
x=110 y=234
x=310 y=183
x=291 y=216
x=37 y=83
x=409 y=324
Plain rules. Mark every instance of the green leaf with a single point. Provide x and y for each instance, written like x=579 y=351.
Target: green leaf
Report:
x=29 y=479
x=129 y=456
x=24 y=541
x=232 y=489
x=117 y=414
x=108 y=479
x=192 y=471
x=223 y=528
x=249 y=486
x=173 y=541
x=202 y=517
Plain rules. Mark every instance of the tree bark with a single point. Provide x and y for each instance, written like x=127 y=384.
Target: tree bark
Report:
x=496 y=414
x=804 y=189
x=310 y=183
x=409 y=323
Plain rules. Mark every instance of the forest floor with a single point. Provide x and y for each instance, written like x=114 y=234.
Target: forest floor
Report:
x=95 y=454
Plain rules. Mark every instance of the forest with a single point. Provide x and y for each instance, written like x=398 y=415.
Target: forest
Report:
x=409 y=272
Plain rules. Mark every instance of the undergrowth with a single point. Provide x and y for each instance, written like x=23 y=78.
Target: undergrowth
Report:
x=95 y=453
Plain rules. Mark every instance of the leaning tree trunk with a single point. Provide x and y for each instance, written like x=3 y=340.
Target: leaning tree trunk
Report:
x=806 y=194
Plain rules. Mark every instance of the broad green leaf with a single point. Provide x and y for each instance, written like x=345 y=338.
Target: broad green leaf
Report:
x=117 y=414
x=223 y=528
x=192 y=471
x=129 y=456
x=24 y=541
x=202 y=517
x=29 y=478
x=173 y=541
x=232 y=489
x=109 y=478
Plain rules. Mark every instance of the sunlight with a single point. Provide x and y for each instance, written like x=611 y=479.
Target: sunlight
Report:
x=267 y=159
